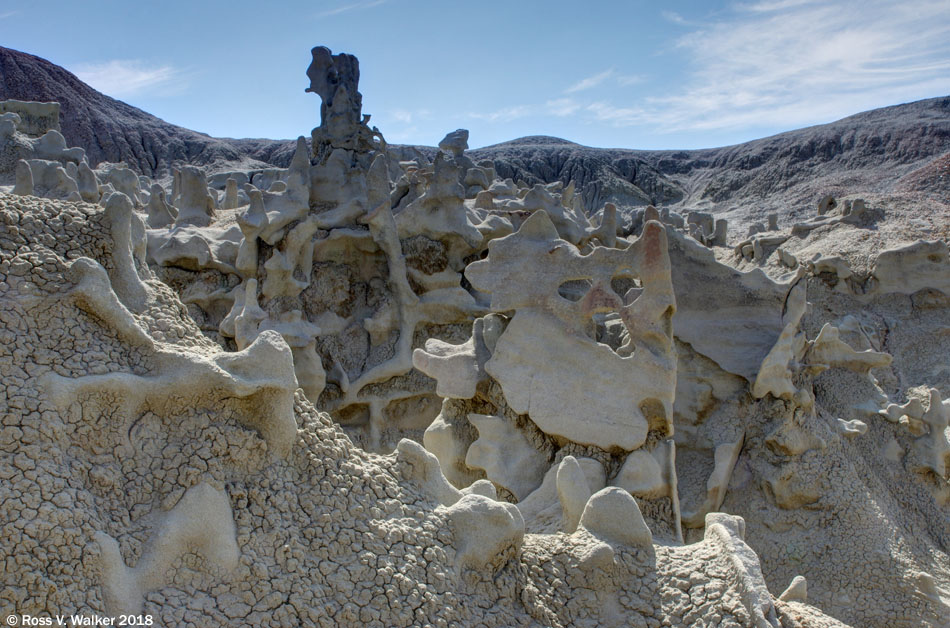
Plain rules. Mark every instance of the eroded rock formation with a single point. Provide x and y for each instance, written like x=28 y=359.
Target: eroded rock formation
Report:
x=366 y=390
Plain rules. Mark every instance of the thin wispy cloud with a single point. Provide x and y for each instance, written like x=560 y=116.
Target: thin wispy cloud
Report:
x=589 y=82
x=352 y=6
x=790 y=63
x=130 y=77
x=618 y=116
x=630 y=79
x=505 y=114
x=403 y=125
x=7 y=14
x=406 y=134
x=756 y=66
x=408 y=117
x=768 y=6
x=674 y=17
x=557 y=107
x=562 y=107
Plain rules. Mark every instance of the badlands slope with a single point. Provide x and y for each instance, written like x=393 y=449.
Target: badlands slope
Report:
x=899 y=152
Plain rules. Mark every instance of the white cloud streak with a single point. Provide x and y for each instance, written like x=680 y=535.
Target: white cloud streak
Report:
x=674 y=17
x=128 y=77
x=404 y=127
x=407 y=117
x=557 y=107
x=562 y=107
x=406 y=134
x=630 y=79
x=506 y=114
x=767 y=6
x=790 y=63
x=589 y=82
x=773 y=64
x=367 y=4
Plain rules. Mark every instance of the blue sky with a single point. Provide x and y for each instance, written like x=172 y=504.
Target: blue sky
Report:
x=630 y=74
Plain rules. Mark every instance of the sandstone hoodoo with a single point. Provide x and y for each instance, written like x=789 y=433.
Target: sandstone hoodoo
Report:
x=376 y=385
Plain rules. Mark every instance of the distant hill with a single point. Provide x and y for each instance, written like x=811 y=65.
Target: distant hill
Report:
x=901 y=150
x=534 y=140
x=109 y=129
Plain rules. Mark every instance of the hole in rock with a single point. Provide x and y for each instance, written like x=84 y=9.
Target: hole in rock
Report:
x=353 y=416
x=627 y=287
x=610 y=331
x=574 y=289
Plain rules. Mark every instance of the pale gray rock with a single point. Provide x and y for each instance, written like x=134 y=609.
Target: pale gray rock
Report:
x=486 y=532
x=24 y=179
x=160 y=213
x=455 y=143
x=193 y=201
x=613 y=515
